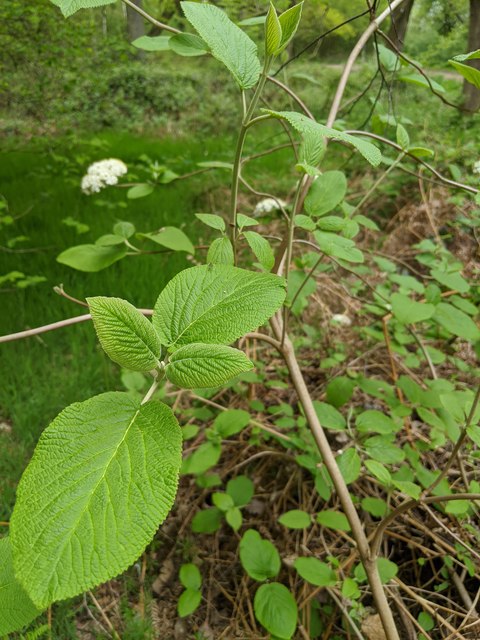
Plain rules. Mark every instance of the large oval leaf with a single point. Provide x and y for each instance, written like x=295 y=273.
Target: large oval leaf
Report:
x=228 y=43
x=103 y=477
x=205 y=365
x=91 y=257
x=16 y=608
x=276 y=609
x=215 y=304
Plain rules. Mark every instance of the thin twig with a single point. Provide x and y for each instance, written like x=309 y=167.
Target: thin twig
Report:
x=147 y=16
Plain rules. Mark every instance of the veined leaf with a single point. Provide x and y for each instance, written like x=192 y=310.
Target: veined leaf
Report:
x=205 y=365
x=188 y=44
x=327 y=192
x=276 y=610
x=103 y=477
x=273 y=31
x=212 y=220
x=127 y=337
x=261 y=248
x=221 y=252
x=259 y=557
x=471 y=74
x=16 y=608
x=289 y=21
x=316 y=572
x=408 y=311
x=215 y=304
x=315 y=133
x=228 y=43
x=69 y=7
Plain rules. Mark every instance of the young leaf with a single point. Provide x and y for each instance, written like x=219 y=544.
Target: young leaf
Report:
x=91 y=257
x=403 y=138
x=221 y=252
x=375 y=506
x=207 y=520
x=202 y=459
x=190 y=576
x=273 y=32
x=172 y=238
x=230 y=422
x=471 y=74
x=215 y=304
x=234 y=518
x=228 y=43
x=349 y=464
x=289 y=21
x=205 y=365
x=337 y=246
x=222 y=501
x=315 y=572
x=187 y=44
x=259 y=557
x=188 y=602
x=376 y=421
x=333 y=520
x=211 y=220
x=409 y=311
x=155 y=43
x=329 y=417
x=326 y=192
x=261 y=248
x=455 y=321
x=140 y=191
x=275 y=608
x=316 y=133
x=102 y=479
x=386 y=568
x=124 y=229
x=295 y=519
x=241 y=490
x=382 y=449
x=126 y=336
x=69 y=7
x=16 y=608
x=379 y=471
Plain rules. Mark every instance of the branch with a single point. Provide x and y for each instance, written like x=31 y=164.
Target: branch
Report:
x=147 y=16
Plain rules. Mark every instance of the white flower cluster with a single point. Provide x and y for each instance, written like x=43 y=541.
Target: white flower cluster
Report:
x=476 y=167
x=268 y=205
x=101 y=174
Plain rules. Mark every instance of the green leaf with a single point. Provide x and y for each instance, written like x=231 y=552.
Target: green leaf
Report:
x=333 y=520
x=421 y=152
x=289 y=21
x=241 y=490
x=261 y=248
x=188 y=45
x=221 y=252
x=202 y=459
x=172 y=238
x=349 y=464
x=197 y=365
x=388 y=58
x=409 y=311
x=188 y=602
x=273 y=32
x=381 y=448
x=109 y=240
x=457 y=507
x=234 y=518
x=340 y=391
x=207 y=520
x=295 y=519
x=375 y=506
x=461 y=57
x=259 y=557
x=91 y=257
x=456 y=321
x=379 y=471
x=333 y=224
x=350 y=589
x=124 y=229
x=470 y=74
x=140 y=191
x=338 y=247
x=126 y=336
x=426 y=621
x=376 y=421
x=69 y=7
x=421 y=81
x=102 y=479
x=403 y=139
x=315 y=134
x=228 y=43
x=386 y=568
x=326 y=193
x=305 y=222
x=222 y=501
x=315 y=572
x=409 y=488
x=329 y=417
x=245 y=221
x=190 y=576
x=452 y=280
x=16 y=608
x=276 y=610
x=230 y=422
x=215 y=304
x=211 y=220
x=149 y=43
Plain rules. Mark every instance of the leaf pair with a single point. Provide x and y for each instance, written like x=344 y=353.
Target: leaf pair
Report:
x=279 y=30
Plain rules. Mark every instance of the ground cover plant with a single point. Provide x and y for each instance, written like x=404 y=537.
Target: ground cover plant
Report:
x=105 y=472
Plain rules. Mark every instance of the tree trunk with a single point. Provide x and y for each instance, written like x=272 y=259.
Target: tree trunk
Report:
x=135 y=26
x=399 y=24
x=471 y=94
